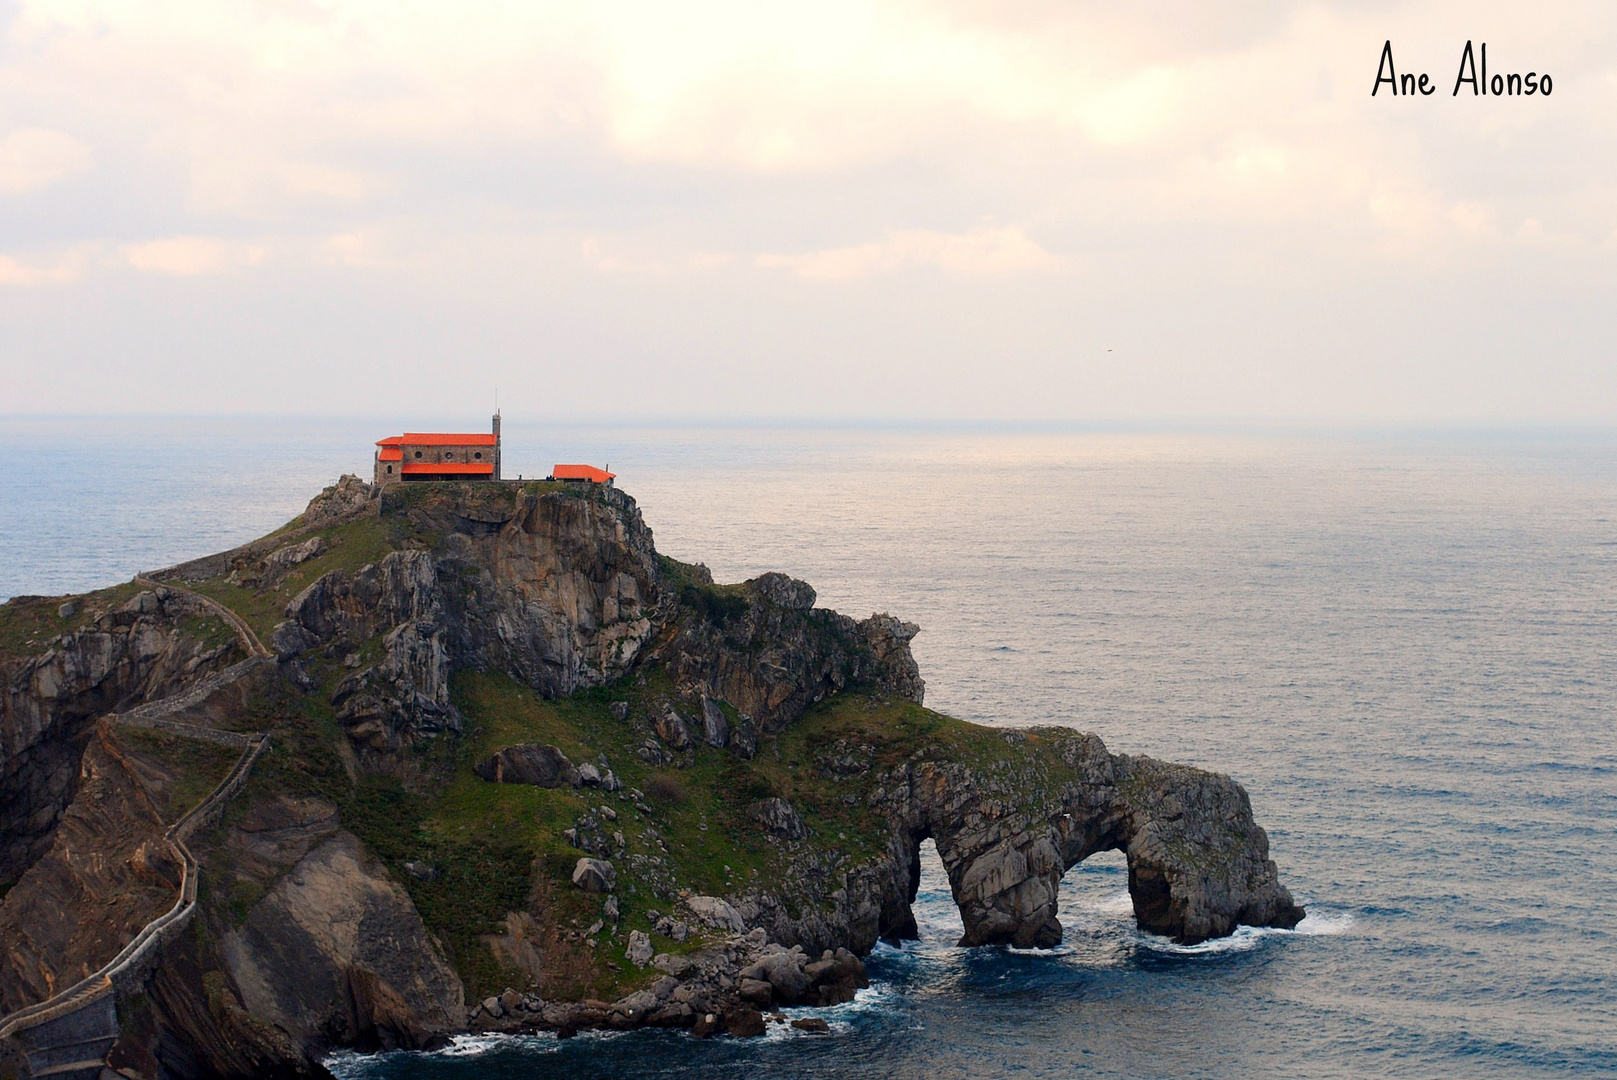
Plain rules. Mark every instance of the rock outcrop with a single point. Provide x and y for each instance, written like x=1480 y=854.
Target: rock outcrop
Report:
x=765 y=649
x=1198 y=863
x=336 y=954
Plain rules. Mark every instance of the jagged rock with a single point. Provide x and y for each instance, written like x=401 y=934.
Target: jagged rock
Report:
x=639 y=952
x=715 y=728
x=531 y=763
x=783 y=591
x=813 y=1025
x=778 y=817
x=588 y=776
x=595 y=875
x=492 y=1006
x=289 y=639
x=770 y=654
x=348 y=497
x=716 y=912
x=670 y=727
x=283 y=559
x=563 y=592
x=107 y=870
x=638 y=1005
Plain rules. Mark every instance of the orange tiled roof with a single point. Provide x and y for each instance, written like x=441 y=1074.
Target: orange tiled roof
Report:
x=445 y=468
x=390 y=453
x=418 y=438
x=581 y=472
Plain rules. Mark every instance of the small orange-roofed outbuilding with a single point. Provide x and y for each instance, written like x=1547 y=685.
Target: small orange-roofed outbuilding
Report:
x=418 y=455
x=581 y=474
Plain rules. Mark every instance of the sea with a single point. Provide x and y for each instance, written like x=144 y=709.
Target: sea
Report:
x=1403 y=643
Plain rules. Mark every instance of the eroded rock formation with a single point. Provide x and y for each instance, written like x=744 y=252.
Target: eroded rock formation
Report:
x=1198 y=863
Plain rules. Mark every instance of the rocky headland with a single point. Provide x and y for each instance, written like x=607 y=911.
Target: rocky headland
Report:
x=522 y=772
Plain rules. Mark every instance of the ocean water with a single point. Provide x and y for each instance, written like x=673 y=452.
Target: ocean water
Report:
x=1404 y=646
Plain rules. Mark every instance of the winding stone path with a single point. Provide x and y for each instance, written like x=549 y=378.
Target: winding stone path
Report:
x=68 y=1035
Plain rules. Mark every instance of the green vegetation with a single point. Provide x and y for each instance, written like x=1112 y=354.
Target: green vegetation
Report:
x=190 y=768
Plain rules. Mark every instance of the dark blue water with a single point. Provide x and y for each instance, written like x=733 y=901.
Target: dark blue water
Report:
x=1404 y=648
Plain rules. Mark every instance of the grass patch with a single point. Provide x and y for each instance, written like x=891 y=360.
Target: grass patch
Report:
x=194 y=767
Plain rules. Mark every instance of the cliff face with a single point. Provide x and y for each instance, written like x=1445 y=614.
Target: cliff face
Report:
x=565 y=591
x=728 y=773
x=94 y=654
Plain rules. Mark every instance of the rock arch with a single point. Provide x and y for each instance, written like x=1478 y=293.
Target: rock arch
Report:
x=1198 y=864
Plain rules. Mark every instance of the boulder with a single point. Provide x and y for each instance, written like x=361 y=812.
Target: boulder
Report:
x=589 y=776
x=531 y=763
x=813 y=1025
x=743 y=1022
x=595 y=875
x=784 y=973
x=758 y=992
x=639 y=952
x=716 y=912
x=671 y=729
x=676 y=966
x=715 y=728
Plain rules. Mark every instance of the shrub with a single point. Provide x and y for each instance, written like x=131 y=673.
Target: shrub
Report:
x=665 y=788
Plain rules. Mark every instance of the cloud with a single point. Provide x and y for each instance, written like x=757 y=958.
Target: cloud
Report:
x=191 y=256
x=62 y=270
x=32 y=159
x=1003 y=250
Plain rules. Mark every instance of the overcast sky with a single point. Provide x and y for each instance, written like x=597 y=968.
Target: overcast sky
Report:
x=1089 y=211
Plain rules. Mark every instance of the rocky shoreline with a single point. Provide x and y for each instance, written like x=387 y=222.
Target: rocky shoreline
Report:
x=735 y=986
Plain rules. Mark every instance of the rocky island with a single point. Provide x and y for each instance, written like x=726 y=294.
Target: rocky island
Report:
x=447 y=757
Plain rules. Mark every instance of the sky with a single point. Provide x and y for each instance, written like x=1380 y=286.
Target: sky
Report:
x=1011 y=211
